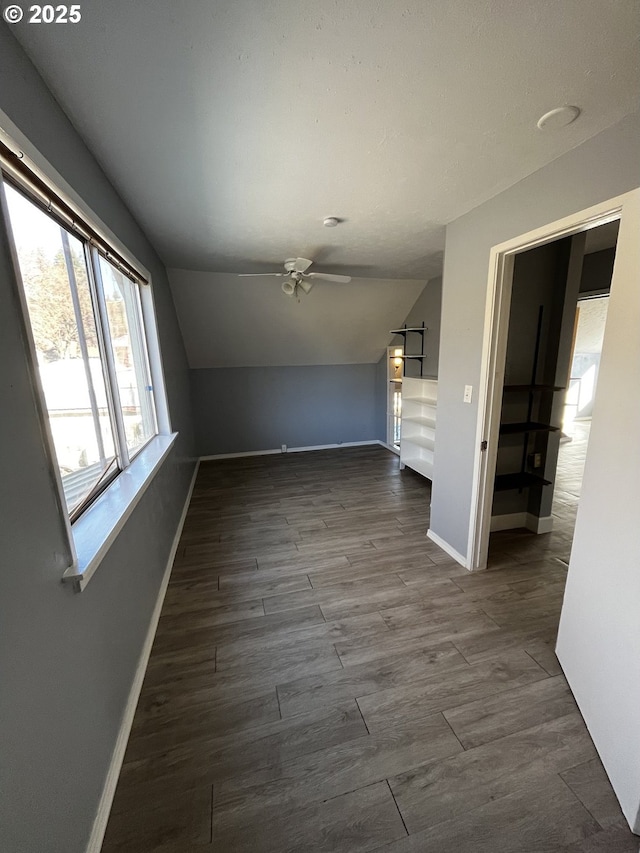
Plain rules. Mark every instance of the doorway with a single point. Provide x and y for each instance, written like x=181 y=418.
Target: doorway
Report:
x=557 y=316
x=585 y=237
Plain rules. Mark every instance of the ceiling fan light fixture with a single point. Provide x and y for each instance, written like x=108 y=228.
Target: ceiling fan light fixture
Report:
x=298 y=280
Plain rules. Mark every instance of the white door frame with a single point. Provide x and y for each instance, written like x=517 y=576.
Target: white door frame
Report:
x=494 y=346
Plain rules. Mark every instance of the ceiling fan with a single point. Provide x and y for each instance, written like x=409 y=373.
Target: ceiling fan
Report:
x=296 y=276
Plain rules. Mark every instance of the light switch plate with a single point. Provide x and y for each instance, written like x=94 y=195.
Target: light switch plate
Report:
x=468 y=390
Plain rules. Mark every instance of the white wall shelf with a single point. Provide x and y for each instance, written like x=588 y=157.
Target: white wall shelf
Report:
x=418 y=436
x=422 y=421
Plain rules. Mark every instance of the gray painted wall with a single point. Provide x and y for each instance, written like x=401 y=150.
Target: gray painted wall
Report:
x=427 y=309
x=243 y=409
x=601 y=168
x=67 y=660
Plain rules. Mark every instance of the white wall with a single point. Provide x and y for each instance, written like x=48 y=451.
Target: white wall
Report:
x=599 y=638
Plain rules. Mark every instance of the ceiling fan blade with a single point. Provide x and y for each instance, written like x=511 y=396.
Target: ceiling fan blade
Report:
x=260 y=274
x=297 y=264
x=326 y=276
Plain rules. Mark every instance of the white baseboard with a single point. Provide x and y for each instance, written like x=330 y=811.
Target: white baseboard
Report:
x=509 y=522
x=106 y=800
x=293 y=450
x=448 y=548
x=514 y=520
x=542 y=525
x=390 y=447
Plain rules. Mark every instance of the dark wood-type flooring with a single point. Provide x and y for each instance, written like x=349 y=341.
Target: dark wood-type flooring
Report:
x=324 y=678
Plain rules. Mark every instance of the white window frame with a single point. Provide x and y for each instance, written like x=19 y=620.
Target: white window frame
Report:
x=91 y=535
x=394 y=384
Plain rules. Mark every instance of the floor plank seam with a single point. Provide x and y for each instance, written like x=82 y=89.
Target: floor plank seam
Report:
x=362 y=715
x=536 y=662
x=550 y=674
x=443 y=714
x=395 y=802
x=577 y=798
x=347 y=793
x=457 y=648
x=497 y=624
x=278 y=699
x=379 y=612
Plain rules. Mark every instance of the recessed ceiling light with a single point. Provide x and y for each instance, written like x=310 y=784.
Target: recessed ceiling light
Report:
x=560 y=117
x=331 y=222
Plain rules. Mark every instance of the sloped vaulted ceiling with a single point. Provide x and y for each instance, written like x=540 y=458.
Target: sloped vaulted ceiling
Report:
x=229 y=321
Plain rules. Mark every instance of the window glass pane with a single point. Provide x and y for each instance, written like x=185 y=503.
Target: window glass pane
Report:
x=54 y=273
x=124 y=314
x=397 y=415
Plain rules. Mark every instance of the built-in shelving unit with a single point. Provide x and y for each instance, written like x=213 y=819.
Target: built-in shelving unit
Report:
x=536 y=399
x=418 y=436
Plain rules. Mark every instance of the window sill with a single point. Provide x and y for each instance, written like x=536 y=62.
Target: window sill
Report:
x=97 y=528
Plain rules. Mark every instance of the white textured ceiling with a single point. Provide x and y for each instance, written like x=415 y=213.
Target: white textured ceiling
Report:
x=232 y=129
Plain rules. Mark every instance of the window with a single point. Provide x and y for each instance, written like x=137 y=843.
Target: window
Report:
x=88 y=331
x=395 y=359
